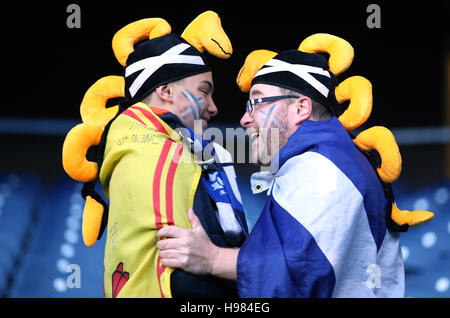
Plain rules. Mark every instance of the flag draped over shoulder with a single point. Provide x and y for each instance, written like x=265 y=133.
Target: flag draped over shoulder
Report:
x=322 y=232
x=220 y=182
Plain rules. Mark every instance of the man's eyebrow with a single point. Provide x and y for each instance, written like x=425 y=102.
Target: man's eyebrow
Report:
x=256 y=92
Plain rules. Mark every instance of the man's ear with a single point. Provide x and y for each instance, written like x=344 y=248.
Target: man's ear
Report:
x=302 y=110
x=165 y=92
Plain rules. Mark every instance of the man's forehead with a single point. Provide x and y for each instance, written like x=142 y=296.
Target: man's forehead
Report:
x=263 y=90
x=202 y=78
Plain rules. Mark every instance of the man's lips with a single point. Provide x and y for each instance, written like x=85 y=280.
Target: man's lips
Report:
x=252 y=133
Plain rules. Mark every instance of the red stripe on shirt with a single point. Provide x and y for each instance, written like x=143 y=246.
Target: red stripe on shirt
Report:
x=157 y=204
x=159 y=127
x=169 y=183
x=129 y=113
x=157 y=182
x=159 y=271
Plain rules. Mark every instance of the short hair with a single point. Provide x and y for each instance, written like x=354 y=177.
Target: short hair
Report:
x=318 y=112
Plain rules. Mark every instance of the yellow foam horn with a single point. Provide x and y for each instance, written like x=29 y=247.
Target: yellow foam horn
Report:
x=382 y=140
x=253 y=63
x=412 y=218
x=75 y=147
x=124 y=40
x=92 y=221
x=358 y=90
x=93 y=107
x=341 y=52
x=205 y=32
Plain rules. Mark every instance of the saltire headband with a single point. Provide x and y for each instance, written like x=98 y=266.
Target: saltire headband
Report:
x=303 y=72
x=159 y=61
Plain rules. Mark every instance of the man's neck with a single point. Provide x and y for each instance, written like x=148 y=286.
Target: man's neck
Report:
x=157 y=109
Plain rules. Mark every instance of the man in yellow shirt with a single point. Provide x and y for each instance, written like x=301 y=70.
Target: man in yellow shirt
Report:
x=152 y=174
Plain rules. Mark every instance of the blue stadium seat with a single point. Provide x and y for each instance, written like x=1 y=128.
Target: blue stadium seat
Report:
x=19 y=194
x=3 y=284
x=426 y=248
x=58 y=264
x=400 y=189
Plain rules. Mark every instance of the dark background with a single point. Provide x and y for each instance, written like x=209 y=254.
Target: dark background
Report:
x=48 y=67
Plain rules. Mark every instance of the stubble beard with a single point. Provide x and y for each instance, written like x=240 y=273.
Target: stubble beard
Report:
x=269 y=141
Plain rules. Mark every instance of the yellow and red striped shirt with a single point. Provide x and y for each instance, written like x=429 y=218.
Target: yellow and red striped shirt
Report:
x=150 y=179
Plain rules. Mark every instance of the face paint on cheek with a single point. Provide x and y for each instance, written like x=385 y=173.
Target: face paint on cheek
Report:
x=274 y=122
x=194 y=107
x=265 y=117
x=261 y=115
x=271 y=135
x=189 y=110
x=268 y=115
x=187 y=114
x=198 y=101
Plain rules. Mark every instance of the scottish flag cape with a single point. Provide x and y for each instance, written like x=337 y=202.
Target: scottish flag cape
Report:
x=322 y=232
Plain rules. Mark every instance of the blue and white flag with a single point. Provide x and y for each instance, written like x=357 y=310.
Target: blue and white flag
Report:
x=219 y=179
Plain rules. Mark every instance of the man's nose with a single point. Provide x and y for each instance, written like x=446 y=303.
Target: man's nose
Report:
x=212 y=108
x=246 y=120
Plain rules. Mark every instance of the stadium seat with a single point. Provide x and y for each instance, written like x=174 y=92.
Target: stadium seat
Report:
x=426 y=248
x=58 y=264
x=19 y=194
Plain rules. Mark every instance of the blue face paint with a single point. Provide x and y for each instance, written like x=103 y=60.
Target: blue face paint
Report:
x=275 y=122
x=261 y=115
x=195 y=105
x=268 y=114
x=184 y=110
x=262 y=112
x=193 y=112
x=198 y=102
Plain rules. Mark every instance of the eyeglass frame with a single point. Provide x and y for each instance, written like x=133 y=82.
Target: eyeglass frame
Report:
x=250 y=104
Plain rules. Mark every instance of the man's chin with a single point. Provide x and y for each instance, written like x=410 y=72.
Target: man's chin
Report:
x=200 y=126
x=259 y=154
x=204 y=125
x=264 y=160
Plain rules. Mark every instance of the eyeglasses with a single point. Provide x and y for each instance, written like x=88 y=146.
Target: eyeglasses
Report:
x=250 y=106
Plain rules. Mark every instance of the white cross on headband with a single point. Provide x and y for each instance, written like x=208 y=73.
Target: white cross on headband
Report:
x=302 y=71
x=151 y=64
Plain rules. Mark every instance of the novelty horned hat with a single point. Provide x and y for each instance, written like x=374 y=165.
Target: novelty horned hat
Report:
x=309 y=73
x=164 y=57
x=151 y=56
x=159 y=61
x=302 y=72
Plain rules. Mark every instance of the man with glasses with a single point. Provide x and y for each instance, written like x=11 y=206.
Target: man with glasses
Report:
x=322 y=232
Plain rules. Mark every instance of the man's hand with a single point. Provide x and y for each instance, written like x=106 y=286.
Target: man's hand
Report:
x=190 y=250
